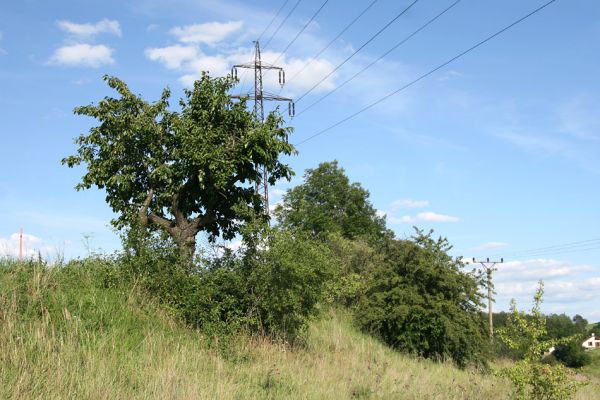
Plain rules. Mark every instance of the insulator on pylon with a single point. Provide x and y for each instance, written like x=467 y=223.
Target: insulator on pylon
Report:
x=292 y=109
x=281 y=77
x=234 y=73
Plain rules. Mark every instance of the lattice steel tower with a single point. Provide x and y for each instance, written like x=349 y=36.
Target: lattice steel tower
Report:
x=260 y=96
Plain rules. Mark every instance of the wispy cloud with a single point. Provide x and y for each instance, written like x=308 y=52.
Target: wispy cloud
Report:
x=190 y=58
x=409 y=203
x=90 y=30
x=489 y=246
x=579 y=118
x=427 y=216
x=83 y=55
x=211 y=33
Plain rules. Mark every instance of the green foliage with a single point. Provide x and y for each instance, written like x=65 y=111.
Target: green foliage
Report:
x=419 y=301
x=286 y=282
x=181 y=172
x=561 y=326
x=272 y=290
x=580 y=323
x=328 y=203
x=531 y=378
x=593 y=328
x=354 y=260
x=572 y=354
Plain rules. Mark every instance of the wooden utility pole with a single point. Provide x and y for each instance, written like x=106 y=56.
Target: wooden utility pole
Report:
x=21 y=245
x=489 y=267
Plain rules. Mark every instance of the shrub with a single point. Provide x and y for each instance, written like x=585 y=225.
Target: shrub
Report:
x=271 y=290
x=572 y=354
x=286 y=282
x=419 y=301
x=532 y=378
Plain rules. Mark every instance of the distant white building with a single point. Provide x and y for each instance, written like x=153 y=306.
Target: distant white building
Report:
x=591 y=343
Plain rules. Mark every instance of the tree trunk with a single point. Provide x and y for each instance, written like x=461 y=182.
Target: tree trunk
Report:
x=186 y=242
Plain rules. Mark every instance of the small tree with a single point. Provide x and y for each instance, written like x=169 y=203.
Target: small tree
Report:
x=532 y=378
x=328 y=203
x=418 y=300
x=181 y=172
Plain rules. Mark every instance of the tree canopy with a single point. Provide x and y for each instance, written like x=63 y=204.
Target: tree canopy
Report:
x=328 y=203
x=420 y=301
x=181 y=172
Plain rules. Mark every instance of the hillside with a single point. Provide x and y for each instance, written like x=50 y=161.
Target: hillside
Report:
x=76 y=332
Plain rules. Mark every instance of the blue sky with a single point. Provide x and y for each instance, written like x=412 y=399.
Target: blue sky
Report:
x=497 y=151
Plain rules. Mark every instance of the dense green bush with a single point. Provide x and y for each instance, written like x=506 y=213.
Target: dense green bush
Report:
x=572 y=354
x=419 y=301
x=286 y=282
x=271 y=290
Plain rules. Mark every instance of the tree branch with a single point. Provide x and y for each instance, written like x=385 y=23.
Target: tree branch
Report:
x=143 y=213
x=164 y=223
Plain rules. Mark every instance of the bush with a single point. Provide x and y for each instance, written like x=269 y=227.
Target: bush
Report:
x=531 y=377
x=286 y=283
x=572 y=354
x=272 y=290
x=419 y=301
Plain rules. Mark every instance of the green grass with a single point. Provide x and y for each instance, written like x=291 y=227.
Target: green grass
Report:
x=593 y=370
x=84 y=332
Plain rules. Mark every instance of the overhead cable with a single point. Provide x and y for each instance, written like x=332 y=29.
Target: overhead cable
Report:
x=425 y=75
x=273 y=19
x=400 y=43
x=300 y=32
x=281 y=24
x=333 y=40
x=379 y=32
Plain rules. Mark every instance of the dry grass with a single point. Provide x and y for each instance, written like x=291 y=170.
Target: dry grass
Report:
x=50 y=350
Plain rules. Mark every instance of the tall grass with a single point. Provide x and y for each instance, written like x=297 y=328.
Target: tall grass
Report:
x=84 y=331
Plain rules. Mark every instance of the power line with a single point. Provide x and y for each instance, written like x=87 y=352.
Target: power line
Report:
x=400 y=43
x=281 y=24
x=359 y=49
x=301 y=30
x=590 y=244
x=334 y=39
x=273 y=19
x=574 y=250
x=427 y=73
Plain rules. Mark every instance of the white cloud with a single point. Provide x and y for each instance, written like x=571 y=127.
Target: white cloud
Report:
x=173 y=56
x=537 y=269
x=568 y=287
x=81 y=81
x=84 y=55
x=409 y=203
x=32 y=246
x=427 y=216
x=191 y=60
x=490 y=246
x=89 y=30
x=210 y=33
x=304 y=80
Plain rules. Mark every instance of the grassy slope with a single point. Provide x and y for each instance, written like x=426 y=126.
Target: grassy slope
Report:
x=73 y=333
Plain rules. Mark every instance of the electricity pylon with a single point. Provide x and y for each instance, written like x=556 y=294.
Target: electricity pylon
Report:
x=260 y=96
